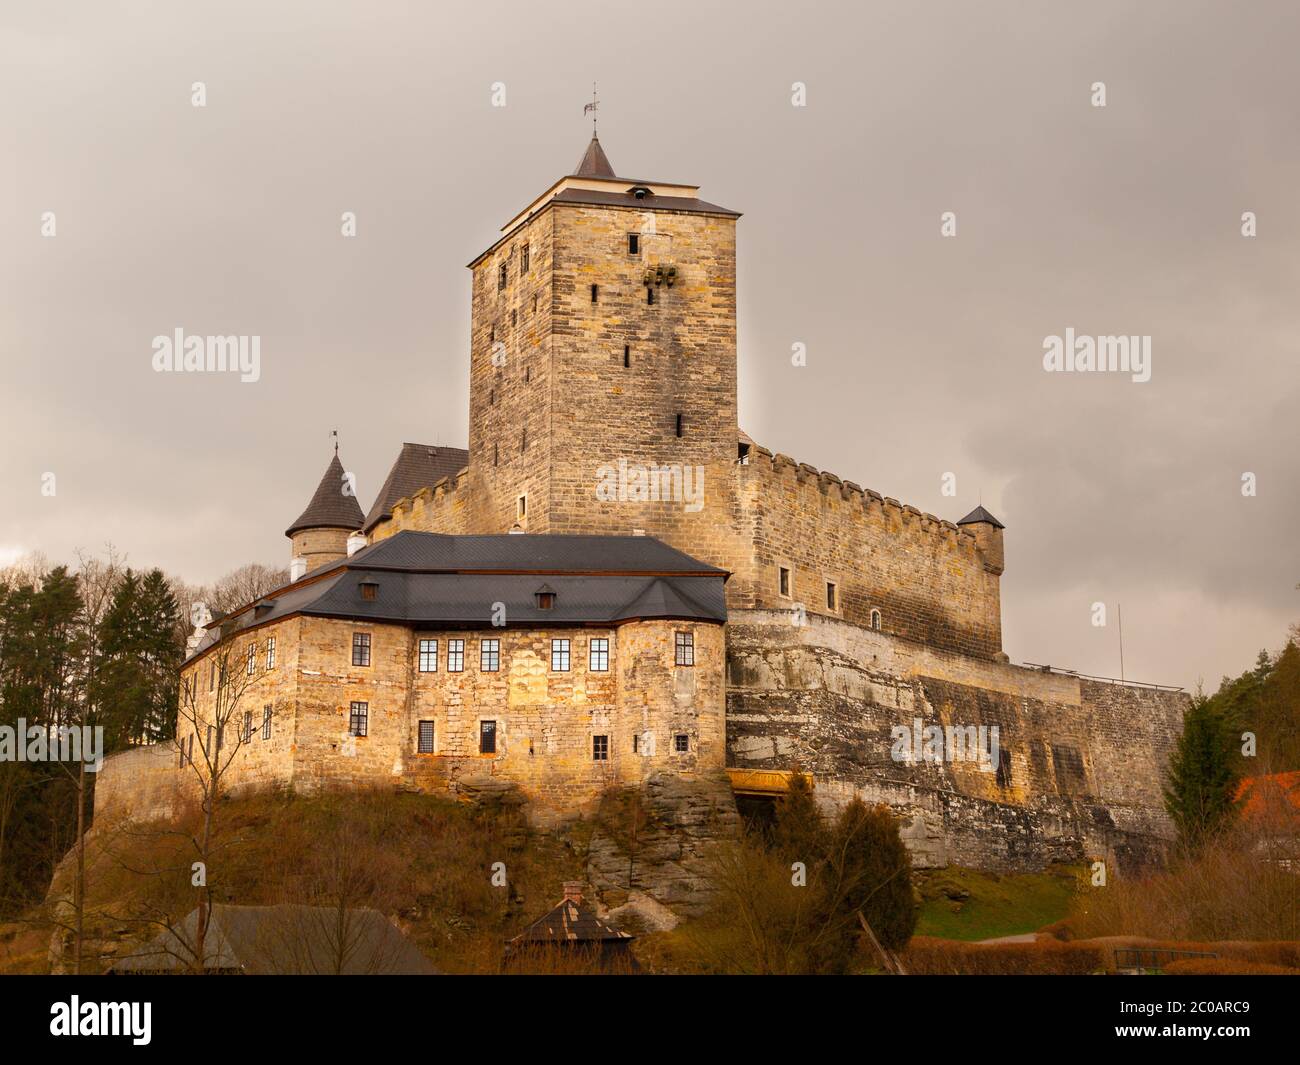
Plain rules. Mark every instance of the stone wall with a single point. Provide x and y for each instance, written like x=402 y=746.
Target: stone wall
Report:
x=1081 y=761
x=142 y=784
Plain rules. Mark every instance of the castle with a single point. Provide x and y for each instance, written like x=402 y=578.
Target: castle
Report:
x=614 y=584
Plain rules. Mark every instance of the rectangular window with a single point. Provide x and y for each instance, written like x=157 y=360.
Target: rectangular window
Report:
x=212 y=674
x=681 y=744
x=270 y=652
x=361 y=648
x=428 y=656
x=627 y=356
x=636 y=743
x=501 y=277
x=634 y=243
x=521 y=507
x=489 y=655
x=425 y=743
x=783 y=582
x=595 y=293
x=359 y=719
x=599 y=659
x=679 y=425
x=650 y=295
x=832 y=599
x=247 y=733
x=487 y=737
x=524 y=259
x=559 y=656
x=455 y=656
x=685 y=649
x=266 y=722
x=600 y=748
x=252 y=658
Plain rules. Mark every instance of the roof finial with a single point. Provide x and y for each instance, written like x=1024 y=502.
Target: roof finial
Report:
x=592 y=107
x=335 y=434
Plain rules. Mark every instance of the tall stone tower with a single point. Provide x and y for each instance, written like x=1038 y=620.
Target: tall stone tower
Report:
x=603 y=344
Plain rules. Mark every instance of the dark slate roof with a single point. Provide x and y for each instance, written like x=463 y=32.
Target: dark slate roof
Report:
x=979 y=514
x=330 y=507
x=601 y=198
x=431 y=580
x=570 y=921
x=285 y=939
x=417 y=466
x=594 y=162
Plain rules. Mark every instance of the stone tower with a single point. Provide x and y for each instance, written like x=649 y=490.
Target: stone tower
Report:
x=320 y=535
x=603 y=343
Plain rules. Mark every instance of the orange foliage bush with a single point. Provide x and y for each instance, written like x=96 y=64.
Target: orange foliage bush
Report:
x=1226 y=967
x=933 y=957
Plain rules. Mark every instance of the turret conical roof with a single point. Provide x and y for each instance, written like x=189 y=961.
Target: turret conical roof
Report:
x=595 y=163
x=979 y=514
x=332 y=507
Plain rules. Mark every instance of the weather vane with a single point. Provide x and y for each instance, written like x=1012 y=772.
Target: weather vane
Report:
x=335 y=434
x=592 y=107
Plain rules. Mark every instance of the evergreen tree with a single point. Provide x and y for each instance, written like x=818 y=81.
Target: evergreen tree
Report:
x=1201 y=781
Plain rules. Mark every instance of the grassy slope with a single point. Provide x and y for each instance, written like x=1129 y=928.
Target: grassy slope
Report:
x=999 y=905
x=427 y=859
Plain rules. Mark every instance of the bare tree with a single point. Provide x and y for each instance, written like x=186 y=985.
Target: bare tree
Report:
x=212 y=728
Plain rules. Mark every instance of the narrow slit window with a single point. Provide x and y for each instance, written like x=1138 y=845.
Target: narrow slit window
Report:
x=501 y=277
x=832 y=596
x=783 y=581
x=679 y=425
x=595 y=293
x=627 y=355
x=650 y=296
x=634 y=243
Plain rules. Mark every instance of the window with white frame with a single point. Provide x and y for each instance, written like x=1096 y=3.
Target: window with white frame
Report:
x=270 y=652
x=599 y=655
x=455 y=656
x=489 y=657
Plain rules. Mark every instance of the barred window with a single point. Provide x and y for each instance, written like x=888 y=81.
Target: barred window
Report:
x=361 y=648
x=560 y=656
x=681 y=743
x=248 y=727
x=455 y=656
x=252 y=658
x=686 y=649
x=270 y=652
x=489 y=660
x=266 y=722
x=424 y=745
x=600 y=748
x=487 y=737
x=599 y=658
x=428 y=656
x=359 y=719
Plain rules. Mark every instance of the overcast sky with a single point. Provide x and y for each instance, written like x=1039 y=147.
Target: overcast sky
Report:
x=924 y=352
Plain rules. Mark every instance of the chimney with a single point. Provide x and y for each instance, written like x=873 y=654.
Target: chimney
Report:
x=355 y=543
x=573 y=891
x=297 y=569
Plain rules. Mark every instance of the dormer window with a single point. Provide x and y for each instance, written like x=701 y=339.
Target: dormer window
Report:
x=369 y=590
x=545 y=596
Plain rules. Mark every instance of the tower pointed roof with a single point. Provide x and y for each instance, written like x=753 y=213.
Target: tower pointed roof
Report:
x=979 y=514
x=595 y=163
x=331 y=507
